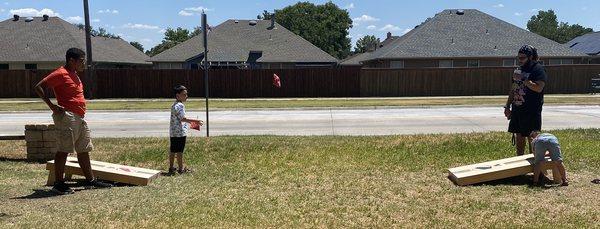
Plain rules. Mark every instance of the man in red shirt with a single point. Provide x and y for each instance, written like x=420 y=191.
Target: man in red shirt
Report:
x=73 y=133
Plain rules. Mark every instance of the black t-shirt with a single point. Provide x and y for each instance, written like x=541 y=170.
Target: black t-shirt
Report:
x=525 y=98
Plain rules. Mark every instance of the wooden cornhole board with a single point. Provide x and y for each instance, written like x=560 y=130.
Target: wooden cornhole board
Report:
x=499 y=169
x=106 y=171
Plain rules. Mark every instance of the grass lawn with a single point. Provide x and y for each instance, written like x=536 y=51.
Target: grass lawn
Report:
x=199 y=104
x=333 y=181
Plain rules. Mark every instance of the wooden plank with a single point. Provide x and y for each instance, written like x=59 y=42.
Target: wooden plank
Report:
x=494 y=170
x=107 y=171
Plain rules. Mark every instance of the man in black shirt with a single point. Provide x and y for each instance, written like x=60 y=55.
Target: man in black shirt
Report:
x=526 y=97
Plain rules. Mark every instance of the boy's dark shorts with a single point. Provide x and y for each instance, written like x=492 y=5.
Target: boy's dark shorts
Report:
x=523 y=122
x=177 y=144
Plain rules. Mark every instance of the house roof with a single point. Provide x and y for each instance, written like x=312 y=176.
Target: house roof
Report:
x=587 y=43
x=356 y=59
x=388 y=40
x=473 y=34
x=233 y=40
x=47 y=41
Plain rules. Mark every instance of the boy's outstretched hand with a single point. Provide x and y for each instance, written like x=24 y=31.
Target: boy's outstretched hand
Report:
x=196 y=124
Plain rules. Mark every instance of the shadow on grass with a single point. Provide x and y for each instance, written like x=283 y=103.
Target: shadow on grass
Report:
x=6 y=159
x=77 y=186
x=6 y=216
x=37 y=194
x=517 y=180
x=522 y=180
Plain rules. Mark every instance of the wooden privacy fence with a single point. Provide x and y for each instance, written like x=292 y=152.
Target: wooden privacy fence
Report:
x=227 y=83
x=318 y=82
x=564 y=79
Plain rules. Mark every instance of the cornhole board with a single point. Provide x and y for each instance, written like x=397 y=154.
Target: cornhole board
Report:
x=106 y=171
x=498 y=169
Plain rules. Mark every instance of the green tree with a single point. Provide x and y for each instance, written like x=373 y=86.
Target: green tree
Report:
x=101 y=32
x=366 y=43
x=568 y=32
x=197 y=31
x=326 y=26
x=545 y=24
x=137 y=45
x=264 y=16
x=172 y=38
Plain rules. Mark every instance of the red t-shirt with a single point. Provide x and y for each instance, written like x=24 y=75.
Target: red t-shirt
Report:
x=67 y=89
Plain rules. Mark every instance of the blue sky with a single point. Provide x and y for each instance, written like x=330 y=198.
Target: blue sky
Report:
x=144 y=21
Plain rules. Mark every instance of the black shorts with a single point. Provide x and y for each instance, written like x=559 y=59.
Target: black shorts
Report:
x=177 y=144
x=523 y=121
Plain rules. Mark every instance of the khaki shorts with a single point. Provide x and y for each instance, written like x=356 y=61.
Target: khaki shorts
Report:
x=72 y=133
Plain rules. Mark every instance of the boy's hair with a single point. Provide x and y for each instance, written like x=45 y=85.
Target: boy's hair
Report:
x=74 y=53
x=534 y=133
x=178 y=89
x=529 y=51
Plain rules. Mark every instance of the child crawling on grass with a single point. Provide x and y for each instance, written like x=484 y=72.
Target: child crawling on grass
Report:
x=545 y=144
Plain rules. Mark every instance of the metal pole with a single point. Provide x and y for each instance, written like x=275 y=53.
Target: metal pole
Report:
x=88 y=50
x=205 y=37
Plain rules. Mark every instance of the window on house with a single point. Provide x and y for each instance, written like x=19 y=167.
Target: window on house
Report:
x=473 y=63
x=508 y=62
x=567 y=61
x=31 y=66
x=446 y=64
x=554 y=62
x=3 y=66
x=396 y=64
x=459 y=63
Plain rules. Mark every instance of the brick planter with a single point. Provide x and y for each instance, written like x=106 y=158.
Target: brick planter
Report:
x=41 y=142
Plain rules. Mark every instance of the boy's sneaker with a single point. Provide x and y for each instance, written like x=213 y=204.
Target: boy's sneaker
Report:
x=95 y=183
x=61 y=188
x=184 y=170
x=545 y=180
x=172 y=171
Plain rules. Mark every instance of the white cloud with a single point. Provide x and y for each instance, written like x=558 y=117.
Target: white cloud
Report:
x=189 y=11
x=1 y=10
x=147 y=40
x=498 y=5
x=389 y=27
x=406 y=31
x=76 y=19
x=518 y=14
x=107 y=11
x=371 y=27
x=31 y=12
x=185 y=13
x=584 y=8
x=162 y=31
x=350 y=6
x=534 y=10
x=96 y=20
x=365 y=17
x=355 y=24
x=198 y=9
x=139 y=26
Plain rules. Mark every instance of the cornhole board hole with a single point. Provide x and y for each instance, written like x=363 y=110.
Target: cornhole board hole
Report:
x=106 y=171
x=499 y=169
